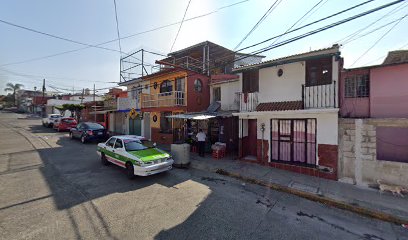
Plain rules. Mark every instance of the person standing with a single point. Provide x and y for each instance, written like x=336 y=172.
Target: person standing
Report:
x=201 y=142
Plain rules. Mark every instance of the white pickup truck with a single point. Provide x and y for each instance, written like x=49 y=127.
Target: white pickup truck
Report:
x=50 y=119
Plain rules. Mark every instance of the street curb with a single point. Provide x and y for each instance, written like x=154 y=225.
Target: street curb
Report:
x=319 y=198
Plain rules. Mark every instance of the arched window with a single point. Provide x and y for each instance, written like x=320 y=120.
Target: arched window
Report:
x=166 y=86
x=198 y=85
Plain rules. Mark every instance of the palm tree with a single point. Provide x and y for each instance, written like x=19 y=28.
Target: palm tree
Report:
x=13 y=88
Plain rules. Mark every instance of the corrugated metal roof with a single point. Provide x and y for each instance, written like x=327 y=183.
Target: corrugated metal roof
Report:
x=292 y=58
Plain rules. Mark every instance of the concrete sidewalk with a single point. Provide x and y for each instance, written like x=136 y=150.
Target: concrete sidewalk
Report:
x=365 y=201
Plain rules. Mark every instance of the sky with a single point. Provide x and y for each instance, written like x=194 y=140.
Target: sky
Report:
x=93 y=22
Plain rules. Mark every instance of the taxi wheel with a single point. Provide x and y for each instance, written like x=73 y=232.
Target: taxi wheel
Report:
x=129 y=171
x=83 y=139
x=104 y=160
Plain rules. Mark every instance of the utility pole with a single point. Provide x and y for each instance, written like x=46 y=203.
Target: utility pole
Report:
x=43 y=96
x=94 y=103
x=82 y=95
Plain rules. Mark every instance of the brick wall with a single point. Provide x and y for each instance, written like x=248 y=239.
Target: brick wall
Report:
x=161 y=138
x=328 y=155
x=358 y=161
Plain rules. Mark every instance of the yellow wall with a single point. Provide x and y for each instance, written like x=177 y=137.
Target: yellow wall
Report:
x=157 y=123
x=160 y=79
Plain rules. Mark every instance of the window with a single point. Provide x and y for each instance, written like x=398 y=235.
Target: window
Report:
x=110 y=142
x=217 y=94
x=318 y=71
x=166 y=86
x=118 y=144
x=180 y=84
x=250 y=81
x=133 y=92
x=357 y=86
x=198 y=85
x=165 y=122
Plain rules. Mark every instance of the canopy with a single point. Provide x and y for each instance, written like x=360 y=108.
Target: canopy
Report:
x=202 y=115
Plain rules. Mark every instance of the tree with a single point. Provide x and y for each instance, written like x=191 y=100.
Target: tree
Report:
x=13 y=88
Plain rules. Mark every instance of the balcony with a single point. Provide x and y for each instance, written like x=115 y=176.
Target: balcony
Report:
x=167 y=99
x=319 y=96
x=110 y=105
x=125 y=104
x=247 y=101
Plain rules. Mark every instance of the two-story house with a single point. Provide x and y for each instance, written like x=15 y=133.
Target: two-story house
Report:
x=289 y=112
x=373 y=128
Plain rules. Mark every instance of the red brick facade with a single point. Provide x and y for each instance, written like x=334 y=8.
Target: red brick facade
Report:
x=328 y=155
x=161 y=138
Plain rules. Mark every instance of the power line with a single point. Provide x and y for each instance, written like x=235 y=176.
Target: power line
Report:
x=372 y=31
x=117 y=25
x=378 y=40
x=383 y=56
x=129 y=36
x=309 y=24
x=348 y=37
x=325 y=27
x=298 y=21
x=181 y=24
x=266 y=14
x=55 y=36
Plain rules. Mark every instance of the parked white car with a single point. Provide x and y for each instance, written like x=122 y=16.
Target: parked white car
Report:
x=51 y=119
x=138 y=155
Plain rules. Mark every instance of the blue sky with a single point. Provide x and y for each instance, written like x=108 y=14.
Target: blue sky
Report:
x=93 y=22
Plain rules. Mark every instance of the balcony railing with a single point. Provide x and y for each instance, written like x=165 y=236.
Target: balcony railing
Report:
x=247 y=101
x=167 y=99
x=110 y=104
x=319 y=96
x=127 y=103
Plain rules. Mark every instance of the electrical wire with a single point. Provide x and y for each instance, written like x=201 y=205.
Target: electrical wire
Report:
x=372 y=31
x=348 y=37
x=266 y=14
x=298 y=21
x=181 y=24
x=383 y=56
x=375 y=43
x=117 y=25
x=129 y=36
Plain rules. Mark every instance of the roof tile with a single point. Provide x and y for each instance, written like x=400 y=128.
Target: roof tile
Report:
x=280 y=106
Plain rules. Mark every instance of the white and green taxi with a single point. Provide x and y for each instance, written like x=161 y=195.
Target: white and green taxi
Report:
x=138 y=155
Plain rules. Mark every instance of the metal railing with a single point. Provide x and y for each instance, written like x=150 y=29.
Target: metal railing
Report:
x=110 y=104
x=247 y=101
x=127 y=103
x=319 y=96
x=166 y=99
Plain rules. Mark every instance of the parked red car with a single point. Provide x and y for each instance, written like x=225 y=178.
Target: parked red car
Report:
x=66 y=124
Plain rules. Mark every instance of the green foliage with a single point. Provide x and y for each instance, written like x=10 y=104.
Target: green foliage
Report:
x=75 y=109
x=13 y=88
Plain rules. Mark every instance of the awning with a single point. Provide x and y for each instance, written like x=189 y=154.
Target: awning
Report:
x=194 y=116
x=202 y=115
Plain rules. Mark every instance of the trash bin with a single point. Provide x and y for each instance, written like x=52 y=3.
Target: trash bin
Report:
x=180 y=154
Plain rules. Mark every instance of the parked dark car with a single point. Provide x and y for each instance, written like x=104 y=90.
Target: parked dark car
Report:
x=89 y=132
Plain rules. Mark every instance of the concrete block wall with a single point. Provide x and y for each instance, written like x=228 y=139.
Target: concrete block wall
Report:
x=358 y=162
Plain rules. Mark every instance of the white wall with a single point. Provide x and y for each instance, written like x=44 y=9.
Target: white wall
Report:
x=288 y=87
x=326 y=122
x=228 y=95
x=86 y=98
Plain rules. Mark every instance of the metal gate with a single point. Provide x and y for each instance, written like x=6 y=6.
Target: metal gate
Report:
x=135 y=126
x=294 y=141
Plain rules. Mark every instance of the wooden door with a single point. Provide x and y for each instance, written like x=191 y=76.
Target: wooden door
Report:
x=252 y=137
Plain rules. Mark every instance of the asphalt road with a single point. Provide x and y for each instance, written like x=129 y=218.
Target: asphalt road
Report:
x=56 y=188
